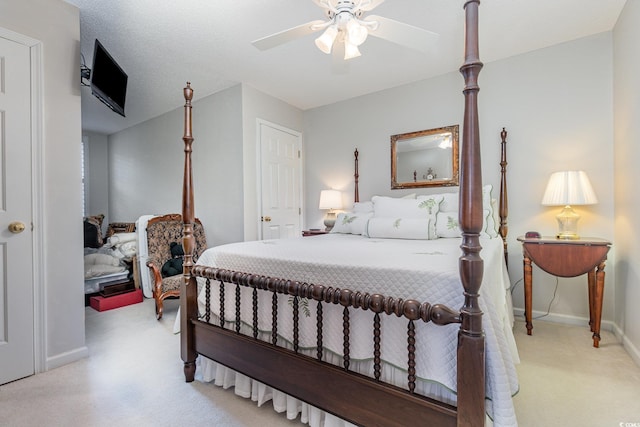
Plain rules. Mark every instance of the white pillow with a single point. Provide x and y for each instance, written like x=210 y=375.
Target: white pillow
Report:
x=450 y=203
x=432 y=206
x=351 y=223
x=447 y=225
x=362 y=207
x=490 y=227
x=495 y=217
x=422 y=207
x=398 y=228
x=390 y=207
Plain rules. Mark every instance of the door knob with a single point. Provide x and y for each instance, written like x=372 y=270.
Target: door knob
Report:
x=16 y=227
x=267 y=219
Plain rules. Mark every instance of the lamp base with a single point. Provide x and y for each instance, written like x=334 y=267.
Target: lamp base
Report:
x=564 y=236
x=568 y=224
x=330 y=220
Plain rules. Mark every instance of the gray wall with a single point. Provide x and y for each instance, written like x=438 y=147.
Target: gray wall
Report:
x=97 y=176
x=146 y=162
x=145 y=166
x=257 y=105
x=59 y=279
x=557 y=105
x=627 y=175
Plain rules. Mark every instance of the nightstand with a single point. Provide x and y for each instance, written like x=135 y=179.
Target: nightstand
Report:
x=313 y=232
x=567 y=258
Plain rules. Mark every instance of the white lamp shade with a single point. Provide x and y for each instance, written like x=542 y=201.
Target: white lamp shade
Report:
x=569 y=188
x=350 y=50
x=325 y=41
x=357 y=33
x=330 y=199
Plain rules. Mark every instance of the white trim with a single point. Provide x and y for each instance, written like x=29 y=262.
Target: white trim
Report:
x=65 y=358
x=259 y=123
x=565 y=319
x=18 y=38
x=37 y=205
x=86 y=196
x=628 y=345
x=37 y=192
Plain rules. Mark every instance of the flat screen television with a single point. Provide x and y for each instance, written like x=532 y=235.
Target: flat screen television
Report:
x=108 y=80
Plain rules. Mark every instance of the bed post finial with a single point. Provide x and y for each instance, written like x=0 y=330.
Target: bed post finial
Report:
x=356 y=175
x=188 y=307
x=471 y=342
x=504 y=200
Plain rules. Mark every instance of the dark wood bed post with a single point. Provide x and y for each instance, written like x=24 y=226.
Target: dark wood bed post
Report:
x=504 y=200
x=356 y=176
x=188 y=305
x=471 y=351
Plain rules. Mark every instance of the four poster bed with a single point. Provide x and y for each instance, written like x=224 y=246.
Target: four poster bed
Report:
x=330 y=325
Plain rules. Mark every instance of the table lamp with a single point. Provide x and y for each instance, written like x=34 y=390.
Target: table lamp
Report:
x=565 y=189
x=330 y=199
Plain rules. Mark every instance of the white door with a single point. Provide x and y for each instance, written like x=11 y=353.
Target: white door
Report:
x=16 y=281
x=281 y=207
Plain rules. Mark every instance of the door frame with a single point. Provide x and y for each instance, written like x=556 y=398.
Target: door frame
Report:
x=259 y=123
x=37 y=192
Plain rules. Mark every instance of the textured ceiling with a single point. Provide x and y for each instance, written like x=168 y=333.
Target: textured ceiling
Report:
x=161 y=44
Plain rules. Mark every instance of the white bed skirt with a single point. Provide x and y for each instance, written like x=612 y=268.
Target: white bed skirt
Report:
x=221 y=376
x=211 y=372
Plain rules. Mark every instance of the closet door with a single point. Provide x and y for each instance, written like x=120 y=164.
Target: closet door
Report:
x=281 y=207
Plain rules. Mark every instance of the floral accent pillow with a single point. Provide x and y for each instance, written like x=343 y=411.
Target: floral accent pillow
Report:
x=432 y=206
x=447 y=224
x=351 y=223
x=398 y=228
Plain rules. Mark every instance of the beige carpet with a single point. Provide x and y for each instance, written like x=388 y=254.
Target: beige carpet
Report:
x=133 y=377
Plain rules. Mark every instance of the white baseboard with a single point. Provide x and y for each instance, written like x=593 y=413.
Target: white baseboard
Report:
x=633 y=351
x=606 y=325
x=66 y=358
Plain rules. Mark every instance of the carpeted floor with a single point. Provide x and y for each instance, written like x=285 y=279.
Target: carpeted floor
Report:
x=133 y=377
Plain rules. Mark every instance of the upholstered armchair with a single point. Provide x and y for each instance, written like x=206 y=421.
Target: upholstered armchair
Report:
x=161 y=232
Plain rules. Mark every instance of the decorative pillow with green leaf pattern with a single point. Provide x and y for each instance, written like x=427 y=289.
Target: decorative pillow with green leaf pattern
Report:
x=351 y=223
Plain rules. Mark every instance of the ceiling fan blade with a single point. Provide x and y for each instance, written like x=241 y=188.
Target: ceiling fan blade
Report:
x=325 y=4
x=285 y=36
x=403 y=34
x=368 y=5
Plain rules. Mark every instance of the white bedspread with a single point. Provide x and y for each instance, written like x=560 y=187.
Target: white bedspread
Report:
x=426 y=270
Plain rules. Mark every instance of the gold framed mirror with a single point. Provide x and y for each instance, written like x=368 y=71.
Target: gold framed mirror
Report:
x=426 y=158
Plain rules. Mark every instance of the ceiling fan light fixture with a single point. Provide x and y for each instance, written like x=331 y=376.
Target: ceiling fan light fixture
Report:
x=357 y=33
x=350 y=50
x=325 y=41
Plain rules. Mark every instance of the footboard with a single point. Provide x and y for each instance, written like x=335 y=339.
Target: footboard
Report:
x=335 y=389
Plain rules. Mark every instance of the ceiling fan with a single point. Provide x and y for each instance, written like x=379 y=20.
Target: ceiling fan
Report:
x=348 y=27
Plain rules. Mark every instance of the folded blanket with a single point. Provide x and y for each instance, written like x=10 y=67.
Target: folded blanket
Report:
x=99 y=264
x=121 y=238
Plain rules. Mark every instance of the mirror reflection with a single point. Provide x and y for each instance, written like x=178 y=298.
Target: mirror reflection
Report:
x=427 y=158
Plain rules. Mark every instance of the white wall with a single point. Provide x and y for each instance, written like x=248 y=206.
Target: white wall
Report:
x=556 y=104
x=56 y=24
x=257 y=105
x=627 y=174
x=146 y=166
